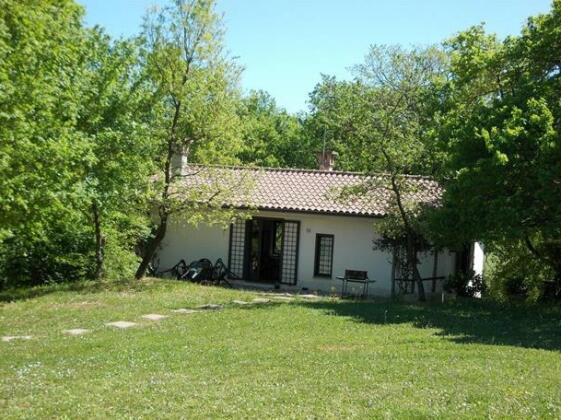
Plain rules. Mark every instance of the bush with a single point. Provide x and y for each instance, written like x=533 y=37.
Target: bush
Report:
x=60 y=255
x=512 y=272
x=465 y=284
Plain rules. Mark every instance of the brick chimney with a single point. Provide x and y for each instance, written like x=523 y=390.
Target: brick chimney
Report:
x=179 y=161
x=326 y=160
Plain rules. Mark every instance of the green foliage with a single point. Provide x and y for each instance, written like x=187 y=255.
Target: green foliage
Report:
x=196 y=83
x=194 y=110
x=466 y=284
x=41 y=155
x=115 y=119
x=383 y=122
x=513 y=272
x=503 y=144
x=65 y=254
x=271 y=136
x=74 y=135
x=339 y=121
x=385 y=113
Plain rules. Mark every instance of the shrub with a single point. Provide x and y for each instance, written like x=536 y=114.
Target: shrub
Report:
x=465 y=284
x=512 y=272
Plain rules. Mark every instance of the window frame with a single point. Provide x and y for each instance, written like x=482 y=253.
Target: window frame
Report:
x=319 y=236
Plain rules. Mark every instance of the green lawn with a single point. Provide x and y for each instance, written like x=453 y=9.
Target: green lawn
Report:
x=302 y=359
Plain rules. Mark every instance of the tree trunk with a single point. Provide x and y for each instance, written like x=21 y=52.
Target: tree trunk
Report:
x=155 y=242
x=152 y=247
x=412 y=262
x=411 y=248
x=99 y=243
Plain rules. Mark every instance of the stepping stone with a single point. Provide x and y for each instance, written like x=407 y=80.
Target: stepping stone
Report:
x=76 y=331
x=277 y=294
x=8 y=338
x=154 y=317
x=284 y=298
x=240 y=302
x=210 y=306
x=121 y=324
x=261 y=300
x=184 y=311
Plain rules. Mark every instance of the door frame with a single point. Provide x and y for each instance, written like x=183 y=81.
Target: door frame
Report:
x=247 y=247
x=248 y=244
x=297 y=252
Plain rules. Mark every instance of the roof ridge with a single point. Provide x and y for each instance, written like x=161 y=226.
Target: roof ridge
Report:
x=306 y=170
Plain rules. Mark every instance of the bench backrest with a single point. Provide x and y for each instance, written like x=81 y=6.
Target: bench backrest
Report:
x=356 y=274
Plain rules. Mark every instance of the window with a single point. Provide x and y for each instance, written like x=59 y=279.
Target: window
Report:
x=324 y=255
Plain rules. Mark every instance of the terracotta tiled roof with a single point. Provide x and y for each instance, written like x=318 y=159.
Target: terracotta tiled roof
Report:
x=314 y=191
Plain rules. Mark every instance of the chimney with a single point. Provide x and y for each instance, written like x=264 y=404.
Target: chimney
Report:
x=179 y=160
x=326 y=160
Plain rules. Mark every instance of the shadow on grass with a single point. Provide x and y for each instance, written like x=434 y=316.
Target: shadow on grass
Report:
x=462 y=321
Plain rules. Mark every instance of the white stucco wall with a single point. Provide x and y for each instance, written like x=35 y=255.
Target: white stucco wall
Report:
x=353 y=249
x=478 y=258
x=193 y=243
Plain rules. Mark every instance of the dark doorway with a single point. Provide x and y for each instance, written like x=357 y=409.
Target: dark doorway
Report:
x=265 y=250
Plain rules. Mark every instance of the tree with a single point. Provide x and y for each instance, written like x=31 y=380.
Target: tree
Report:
x=113 y=118
x=75 y=154
x=338 y=120
x=195 y=111
x=271 y=136
x=502 y=137
x=41 y=157
x=381 y=122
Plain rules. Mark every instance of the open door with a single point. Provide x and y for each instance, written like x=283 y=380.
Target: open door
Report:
x=265 y=250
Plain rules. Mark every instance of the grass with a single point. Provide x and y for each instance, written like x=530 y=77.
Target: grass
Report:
x=303 y=359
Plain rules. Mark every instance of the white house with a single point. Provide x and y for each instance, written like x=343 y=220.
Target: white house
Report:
x=303 y=236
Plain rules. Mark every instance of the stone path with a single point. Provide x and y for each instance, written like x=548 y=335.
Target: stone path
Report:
x=240 y=302
x=8 y=338
x=210 y=306
x=285 y=297
x=261 y=300
x=154 y=317
x=76 y=331
x=121 y=324
x=184 y=311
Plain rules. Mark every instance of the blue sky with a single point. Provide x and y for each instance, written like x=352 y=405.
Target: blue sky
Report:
x=285 y=45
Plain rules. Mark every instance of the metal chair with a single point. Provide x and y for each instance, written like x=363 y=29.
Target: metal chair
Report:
x=358 y=277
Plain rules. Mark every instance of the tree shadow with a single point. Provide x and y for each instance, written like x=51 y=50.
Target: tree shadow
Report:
x=462 y=321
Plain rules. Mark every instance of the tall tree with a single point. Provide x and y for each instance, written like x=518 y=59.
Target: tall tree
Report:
x=404 y=95
x=381 y=122
x=503 y=137
x=114 y=113
x=272 y=136
x=338 y=121
x=41 y=157
x=195 y=115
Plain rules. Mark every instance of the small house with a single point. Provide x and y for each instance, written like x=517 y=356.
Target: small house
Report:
x=303 y=236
